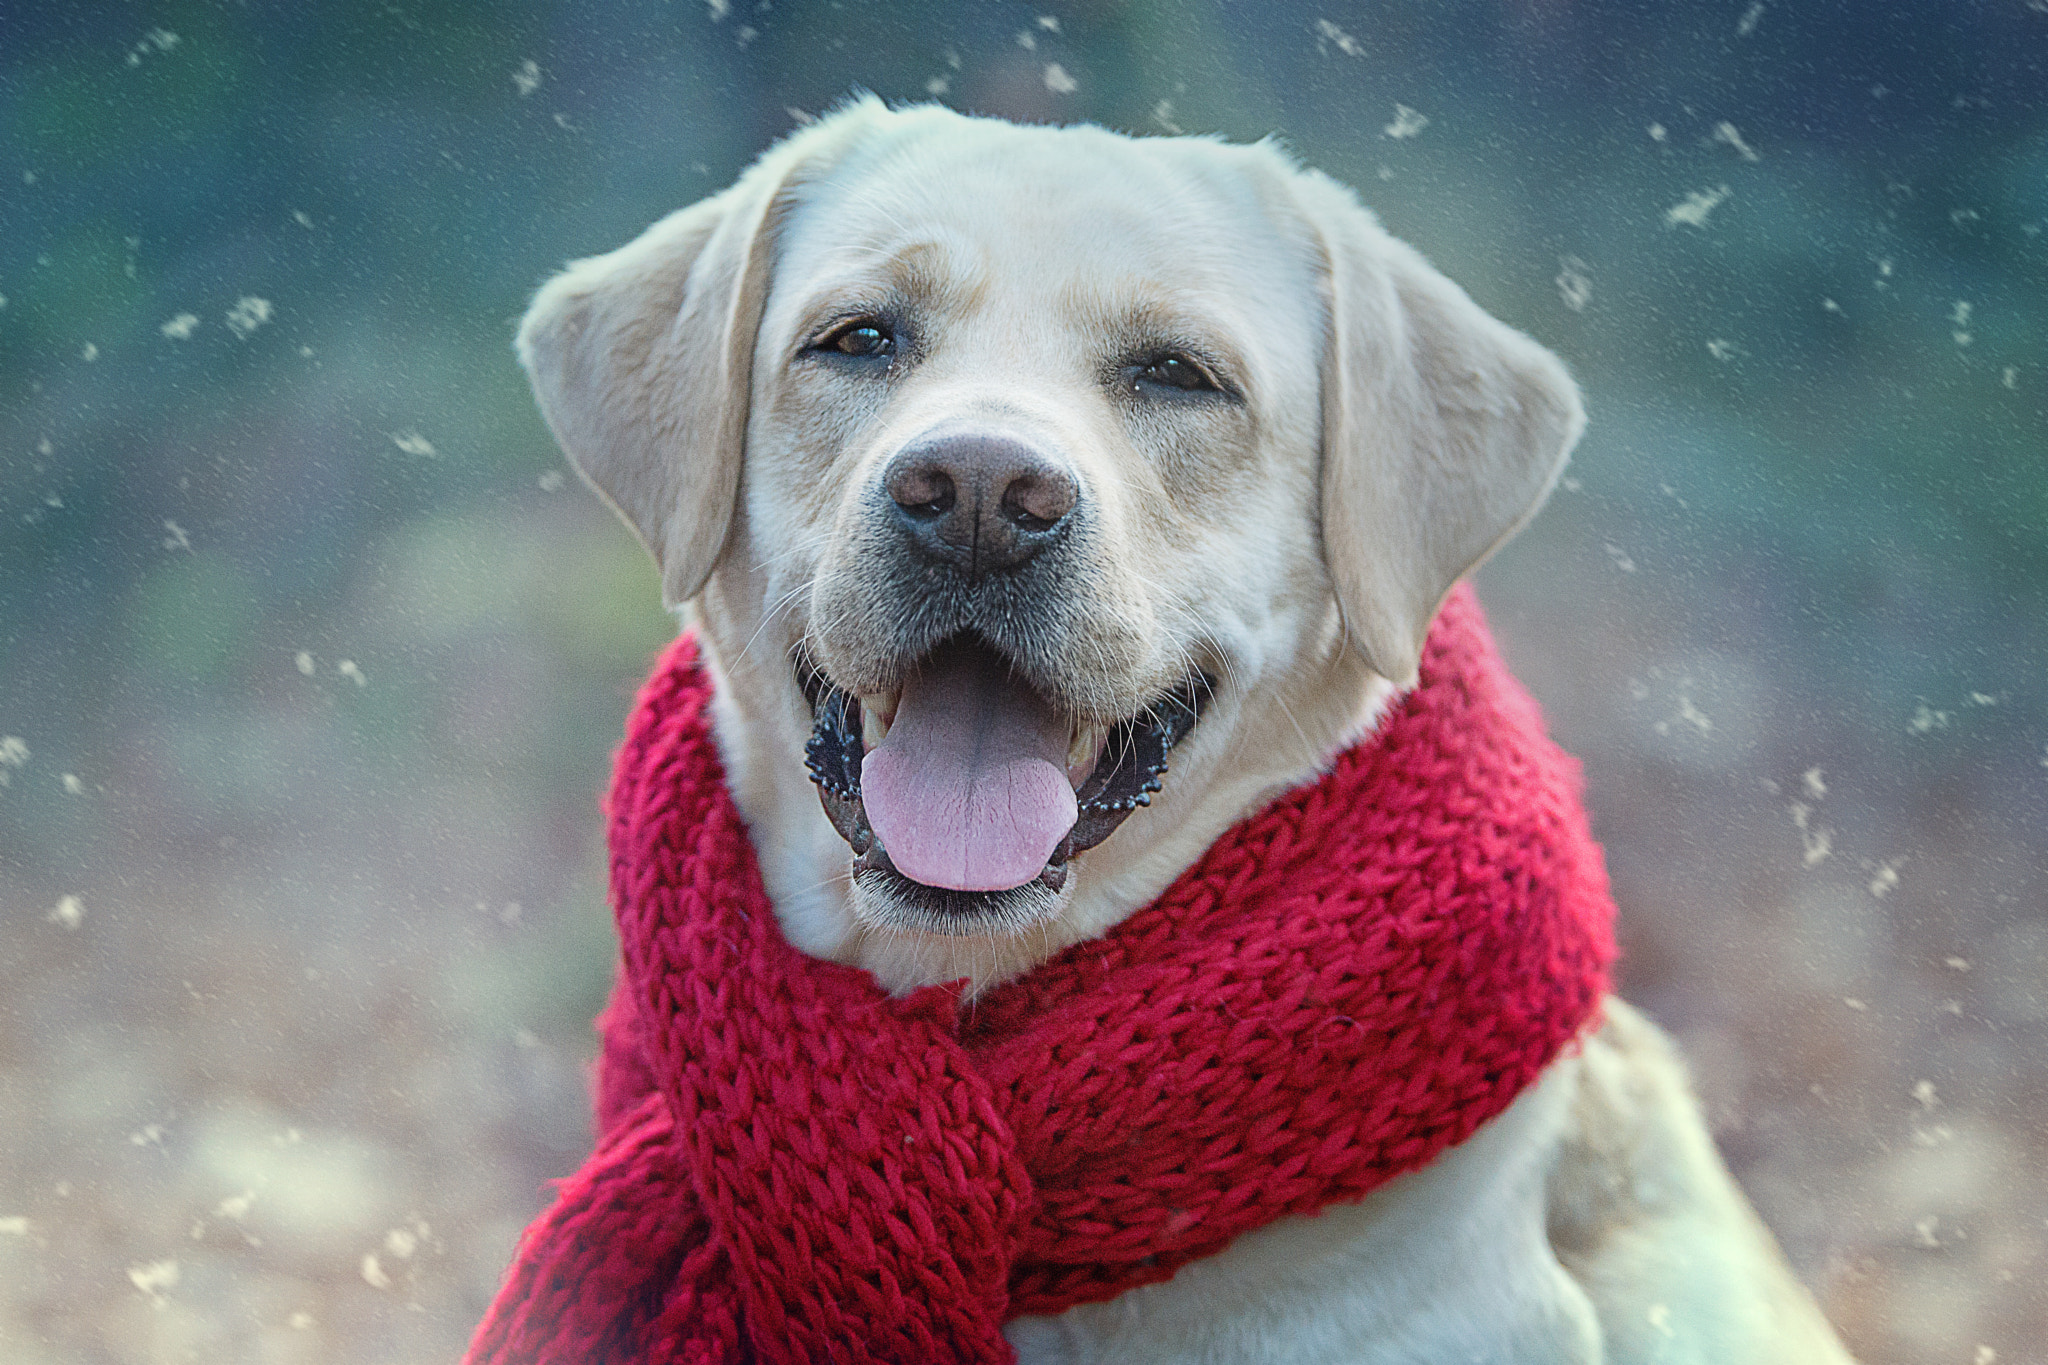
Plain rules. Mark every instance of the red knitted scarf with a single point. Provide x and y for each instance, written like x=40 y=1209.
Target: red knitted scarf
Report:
x=793 y=1166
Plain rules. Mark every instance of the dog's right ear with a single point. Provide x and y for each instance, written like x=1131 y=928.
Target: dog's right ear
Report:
x=642 y=358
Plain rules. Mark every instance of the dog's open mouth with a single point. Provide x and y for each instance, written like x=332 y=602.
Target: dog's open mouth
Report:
x=966 y=785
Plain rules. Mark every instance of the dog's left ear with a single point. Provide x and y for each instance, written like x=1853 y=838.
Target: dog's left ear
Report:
x=642 y=358
x=1443 y=431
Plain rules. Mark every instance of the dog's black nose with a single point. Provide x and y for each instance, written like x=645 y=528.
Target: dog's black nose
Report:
x=981 y=503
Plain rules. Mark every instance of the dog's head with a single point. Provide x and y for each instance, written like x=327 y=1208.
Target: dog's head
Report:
x=1004 y=462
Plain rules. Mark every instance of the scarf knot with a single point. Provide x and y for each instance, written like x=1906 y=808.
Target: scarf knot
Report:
x=794 y=1166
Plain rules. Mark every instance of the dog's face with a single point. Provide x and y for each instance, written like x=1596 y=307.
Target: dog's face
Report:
x=1012 y=466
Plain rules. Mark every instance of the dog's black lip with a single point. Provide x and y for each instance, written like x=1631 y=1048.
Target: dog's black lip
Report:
x=1125 y=776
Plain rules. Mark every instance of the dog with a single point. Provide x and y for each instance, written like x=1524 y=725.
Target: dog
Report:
x=1020 y=439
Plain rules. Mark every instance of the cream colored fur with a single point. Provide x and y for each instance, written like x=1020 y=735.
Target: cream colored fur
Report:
x=1385 y=435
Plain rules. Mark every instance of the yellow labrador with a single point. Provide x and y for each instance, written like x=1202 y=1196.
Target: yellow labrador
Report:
x=1123 y=412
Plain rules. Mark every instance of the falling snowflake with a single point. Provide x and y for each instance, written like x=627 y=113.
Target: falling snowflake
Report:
x=13 y=754
x=1328 y=35
x=347 y=668
x=412 y=443
x=1407 y=123
x=1747 y=24
x=1726 y=132
x=1693 y=210
x=1926 y=718
x=248 y=314
x=373 y=1272
x=180 y=327
x=1574 y=285
x=527 y=77
x=178 y=539
x=70 y=912
x=88 y=353
x=1058 y=81
x=1722 y=349
x=154 y=1277
x=154 y=41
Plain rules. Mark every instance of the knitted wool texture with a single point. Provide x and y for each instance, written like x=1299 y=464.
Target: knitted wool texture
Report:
x=793 y=1166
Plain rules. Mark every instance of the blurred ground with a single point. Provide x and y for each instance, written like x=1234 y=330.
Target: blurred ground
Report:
x=311 y=657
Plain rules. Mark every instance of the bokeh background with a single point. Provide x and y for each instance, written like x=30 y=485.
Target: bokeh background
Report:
x=311 y=655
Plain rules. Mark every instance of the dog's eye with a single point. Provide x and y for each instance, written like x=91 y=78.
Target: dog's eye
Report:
x=863 y=337
x=1174 y=371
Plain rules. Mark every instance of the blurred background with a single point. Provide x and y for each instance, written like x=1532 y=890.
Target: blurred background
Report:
x=312 y=654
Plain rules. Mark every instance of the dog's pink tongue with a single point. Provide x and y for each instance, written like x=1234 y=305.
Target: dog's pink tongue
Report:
x=969 y=788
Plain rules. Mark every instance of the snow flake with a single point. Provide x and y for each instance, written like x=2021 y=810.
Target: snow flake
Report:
x=373 y=1272
x=1574 y=286
x=148 y=1135
x=178 y=539
x=304 y=659
x=1811 y=781
x=412 y=443
x=1959 y=321
x=13 y=754
x=1693 y=210
x=551 y=482
x=1816 y=841
x=247 y=315
x=527 y=77
x=1328 y=35
x=1725 y=131
x=1621 y=559
x=401 y=1242
x=1926 y=718
x=1722 y=349
x=1956 y=964
x=1660 y=1318
x=154 y=41
x=1924 y=1096
x=2011 y=377
x=88 y=353
x=1407 y=123
x=1853 y=1003
x=1746 y=25
x=14 y=1225
x=1058 y=81
x=347 y=668
x=70 y=913
x=1657 y=133
x=154 y=1277
x=72 y=786
x=299 y=1321
x=1925 y=1232
x=1049 y=22
x=180 y=327
x=1162 y=114
x=1985 y=1355
x=937 y=85
x=1028 y=40
x=1885 y=878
